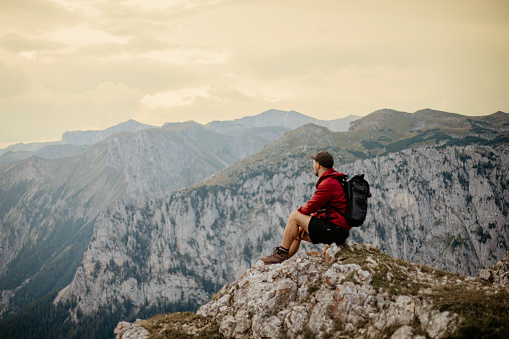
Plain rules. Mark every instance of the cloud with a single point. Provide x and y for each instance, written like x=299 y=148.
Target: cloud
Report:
x=180 y=97
x=18 y=43
x=14 y=81
x=159 y=4
x=82 y=35
x=264 y=92
x=189 y=56
x=179 y=56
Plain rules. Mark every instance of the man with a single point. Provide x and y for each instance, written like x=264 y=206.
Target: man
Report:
x=320 y=221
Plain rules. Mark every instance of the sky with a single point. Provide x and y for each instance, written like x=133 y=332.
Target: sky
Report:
x=92 y=64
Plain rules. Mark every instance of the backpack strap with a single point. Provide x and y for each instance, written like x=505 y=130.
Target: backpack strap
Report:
x=343 y=181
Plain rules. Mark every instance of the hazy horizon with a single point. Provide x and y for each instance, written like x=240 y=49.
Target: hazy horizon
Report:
x=88 y=65
x=5 y=145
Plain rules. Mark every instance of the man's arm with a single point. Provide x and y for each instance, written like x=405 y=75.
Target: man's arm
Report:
x=321 y=196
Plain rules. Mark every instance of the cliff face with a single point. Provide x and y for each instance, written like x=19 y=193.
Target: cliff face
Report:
x=48 y=208
x=352 y=290
x=49 y=202
x=447 y=208
x=444 y=207
x=159 y=160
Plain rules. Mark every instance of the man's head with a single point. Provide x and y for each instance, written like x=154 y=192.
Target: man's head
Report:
x=323 y=159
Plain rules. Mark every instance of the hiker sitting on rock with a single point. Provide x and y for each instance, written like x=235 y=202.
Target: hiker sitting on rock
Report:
x=319 y=221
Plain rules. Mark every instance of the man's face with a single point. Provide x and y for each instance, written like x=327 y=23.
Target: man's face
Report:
x=315 y=167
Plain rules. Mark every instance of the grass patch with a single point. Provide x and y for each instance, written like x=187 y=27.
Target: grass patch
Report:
x=390 y=275
x=351 y=277
x=313 y=288
x=485 y=313
x=389 y=330
x=349 y=255
x=338 y=325
x=181 y=325
x=307 y=333
x=399 y=283
x=337 y=328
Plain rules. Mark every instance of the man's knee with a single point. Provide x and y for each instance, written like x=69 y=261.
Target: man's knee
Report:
x=295 y=216
x=299 y=219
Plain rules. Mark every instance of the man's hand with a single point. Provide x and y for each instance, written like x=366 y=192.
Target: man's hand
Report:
x=302 y=234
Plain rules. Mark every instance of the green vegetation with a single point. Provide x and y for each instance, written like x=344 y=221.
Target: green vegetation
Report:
x=42 y=319
x=171 y=326
x=484 y=309
x=306 y=332
x=313 y=288
x=394 y=276
x=50 y=265
x=351 y=277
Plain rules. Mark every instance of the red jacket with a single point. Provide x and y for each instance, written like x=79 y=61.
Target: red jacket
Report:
x=329 y=192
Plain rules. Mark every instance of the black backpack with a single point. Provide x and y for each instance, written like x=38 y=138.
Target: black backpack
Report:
x=357 y=194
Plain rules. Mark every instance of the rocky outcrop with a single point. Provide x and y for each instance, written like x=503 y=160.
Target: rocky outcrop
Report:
x=498 y=273
x=343 y=290
x=127 y=330
x=352 y=290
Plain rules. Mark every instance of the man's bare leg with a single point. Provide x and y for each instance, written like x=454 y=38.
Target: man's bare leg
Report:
x=292 y=237
x=295 y=231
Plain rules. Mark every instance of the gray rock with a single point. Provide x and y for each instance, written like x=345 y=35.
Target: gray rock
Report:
x=125 y=330
x=498 y=273
x=270 y=295
x=404 y=332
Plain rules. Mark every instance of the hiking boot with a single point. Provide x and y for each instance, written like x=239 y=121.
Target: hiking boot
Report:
x=276 y=257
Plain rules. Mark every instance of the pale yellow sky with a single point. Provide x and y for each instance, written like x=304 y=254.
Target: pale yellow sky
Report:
x=91 y=64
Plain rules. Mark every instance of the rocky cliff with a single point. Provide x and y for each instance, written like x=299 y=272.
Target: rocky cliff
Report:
x=48 y=207
x=353 y=291
x=447 y=208
x=443 y=207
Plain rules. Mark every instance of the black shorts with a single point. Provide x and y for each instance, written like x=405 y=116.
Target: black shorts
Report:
x=322 y=232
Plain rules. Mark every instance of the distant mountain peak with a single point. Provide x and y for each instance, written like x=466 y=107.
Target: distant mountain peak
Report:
x=277 y=118
x=181 y=125
x=500 y=113
x=91 y=137
x=428 y=112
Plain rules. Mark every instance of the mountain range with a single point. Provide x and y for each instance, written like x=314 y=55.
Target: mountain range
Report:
x=74 y=142
x=160 y=218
